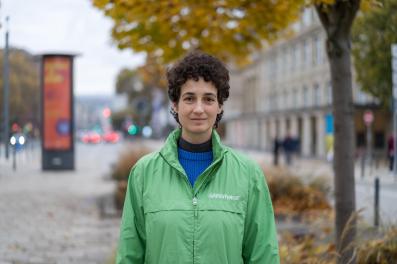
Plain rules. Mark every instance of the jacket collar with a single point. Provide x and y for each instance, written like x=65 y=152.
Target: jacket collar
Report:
x=170 y=149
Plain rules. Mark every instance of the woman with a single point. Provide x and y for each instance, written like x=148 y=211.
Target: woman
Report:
x=196 y=200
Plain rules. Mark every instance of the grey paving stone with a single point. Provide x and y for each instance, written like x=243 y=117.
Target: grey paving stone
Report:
x=49 y=217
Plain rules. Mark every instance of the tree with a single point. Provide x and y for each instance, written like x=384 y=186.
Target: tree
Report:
x=233 y=30
x=337 y=20
x=152 y=73
x=167 y=29
x=128 y=82
x=139 y=85
x=24 y=87
x=372 y=36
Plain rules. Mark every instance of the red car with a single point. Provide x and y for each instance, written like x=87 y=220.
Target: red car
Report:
x=111 y=137
x=91 y=137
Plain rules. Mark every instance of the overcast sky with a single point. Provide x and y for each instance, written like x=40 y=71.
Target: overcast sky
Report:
x=41 y=26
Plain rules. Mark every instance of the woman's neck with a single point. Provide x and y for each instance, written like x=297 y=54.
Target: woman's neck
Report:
x=201 y=147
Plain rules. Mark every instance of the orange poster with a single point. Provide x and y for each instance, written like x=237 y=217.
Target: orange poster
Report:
x=57 y=103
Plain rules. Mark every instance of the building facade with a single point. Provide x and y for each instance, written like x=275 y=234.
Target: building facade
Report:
x=287 y=91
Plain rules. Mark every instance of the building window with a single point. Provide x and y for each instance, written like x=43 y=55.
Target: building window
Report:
x=295 y=98
x=305 y=98
x=319 y=50
x=362 y=97
x=329 y=93
x=285 y=63
x=269 y=68
x=273 y=102
x=292 y=59
x=250 y=95
x=269 y=102
x=304 y=57
x=298 y=61
x=316 y=51
x=316 y=95
x=274 y=67
x=285 y=100
x=307 y=51
x=307 y=17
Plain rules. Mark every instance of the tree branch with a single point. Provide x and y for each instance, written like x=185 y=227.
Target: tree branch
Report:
x=322 y=14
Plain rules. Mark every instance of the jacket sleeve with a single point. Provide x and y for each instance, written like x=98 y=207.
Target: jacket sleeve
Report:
x=131 y=247
x=260 y=243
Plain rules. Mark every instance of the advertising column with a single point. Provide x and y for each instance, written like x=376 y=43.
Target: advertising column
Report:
x=57 y=112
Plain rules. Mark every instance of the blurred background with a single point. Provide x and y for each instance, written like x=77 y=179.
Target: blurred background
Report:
x=62 y=203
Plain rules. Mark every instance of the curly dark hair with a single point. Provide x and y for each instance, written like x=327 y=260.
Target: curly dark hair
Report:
x=193 y=66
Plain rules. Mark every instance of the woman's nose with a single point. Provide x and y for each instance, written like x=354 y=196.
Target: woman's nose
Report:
x=198 y=108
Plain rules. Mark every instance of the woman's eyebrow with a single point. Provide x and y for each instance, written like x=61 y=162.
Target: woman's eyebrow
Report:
x=194 y=94
x=188 y=93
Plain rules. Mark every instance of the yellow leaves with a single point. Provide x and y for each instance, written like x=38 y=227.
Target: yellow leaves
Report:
x=232 y=28
x=317 y=2
x=153 y=73
x=225 y=28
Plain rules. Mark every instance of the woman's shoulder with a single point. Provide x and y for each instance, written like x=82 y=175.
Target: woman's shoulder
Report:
x=241 y=158
x=147 y=159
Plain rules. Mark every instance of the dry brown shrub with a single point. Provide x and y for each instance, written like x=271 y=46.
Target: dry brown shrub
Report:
x=121 y=171
x=291 y=196
x=127 y=159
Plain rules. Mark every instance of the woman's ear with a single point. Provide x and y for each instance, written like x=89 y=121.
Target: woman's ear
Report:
x=220 y=109
x=175 y=106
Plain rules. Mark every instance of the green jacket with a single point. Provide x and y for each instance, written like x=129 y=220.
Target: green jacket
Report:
x=226 y=217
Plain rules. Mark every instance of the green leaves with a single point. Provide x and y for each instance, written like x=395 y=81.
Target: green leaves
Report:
x=372 y=36
x=24 y=86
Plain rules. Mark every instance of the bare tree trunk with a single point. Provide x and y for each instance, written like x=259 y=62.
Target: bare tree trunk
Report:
x=337 y=21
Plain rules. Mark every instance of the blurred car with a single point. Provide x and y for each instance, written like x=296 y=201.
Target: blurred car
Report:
x=111 y=137
x=91 y=137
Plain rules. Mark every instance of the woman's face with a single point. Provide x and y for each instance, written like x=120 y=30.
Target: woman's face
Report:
x=197 y=109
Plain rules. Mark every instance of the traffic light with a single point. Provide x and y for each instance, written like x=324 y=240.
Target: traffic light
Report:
x=133 y=130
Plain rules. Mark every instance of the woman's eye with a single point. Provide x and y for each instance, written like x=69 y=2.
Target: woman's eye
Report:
x=188 y=99
x=209 y=99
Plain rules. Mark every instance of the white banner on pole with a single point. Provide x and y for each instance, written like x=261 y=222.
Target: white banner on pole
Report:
x=394 y=78
x=395 y=92
x=394 y=50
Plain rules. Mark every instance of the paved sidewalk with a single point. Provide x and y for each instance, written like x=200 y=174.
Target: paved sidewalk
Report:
x=54 y=217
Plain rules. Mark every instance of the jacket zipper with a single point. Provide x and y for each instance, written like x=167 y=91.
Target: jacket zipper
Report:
x=195 y=212
x=194 y=202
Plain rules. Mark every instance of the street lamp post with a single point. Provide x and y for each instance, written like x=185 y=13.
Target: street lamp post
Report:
x=13 y=142
x=6 y=93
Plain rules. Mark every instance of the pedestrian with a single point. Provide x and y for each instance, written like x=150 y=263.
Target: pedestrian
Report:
x=289 y=148
x=276 y=150
x=390 y=152
x=196 y=200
